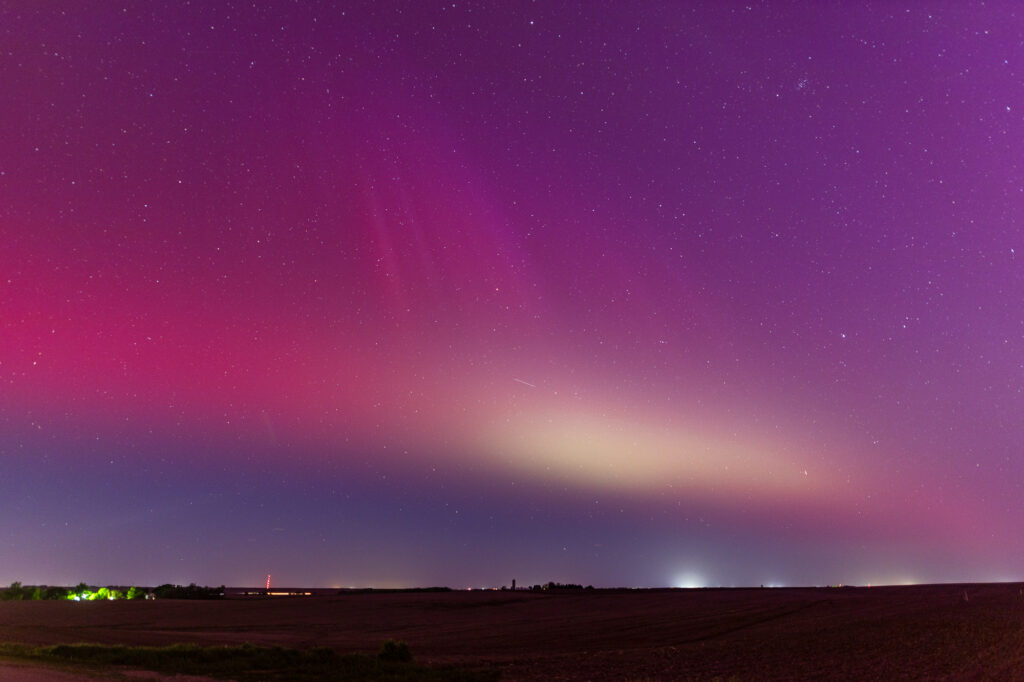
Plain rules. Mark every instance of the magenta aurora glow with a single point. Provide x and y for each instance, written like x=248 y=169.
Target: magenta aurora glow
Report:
x=388 y=293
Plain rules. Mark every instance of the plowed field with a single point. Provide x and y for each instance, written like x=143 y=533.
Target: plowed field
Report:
x=891 y=633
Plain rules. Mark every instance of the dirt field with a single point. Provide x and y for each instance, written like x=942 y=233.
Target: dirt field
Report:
x=919 y=632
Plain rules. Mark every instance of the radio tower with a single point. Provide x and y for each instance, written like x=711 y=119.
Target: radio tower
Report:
x=268 y=582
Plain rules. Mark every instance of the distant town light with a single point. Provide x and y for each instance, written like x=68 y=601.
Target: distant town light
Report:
x=689 y=580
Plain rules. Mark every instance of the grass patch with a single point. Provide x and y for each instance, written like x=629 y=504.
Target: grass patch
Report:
x=245 y=663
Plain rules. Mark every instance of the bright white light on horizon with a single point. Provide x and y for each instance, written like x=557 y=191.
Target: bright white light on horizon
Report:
x=689 y=580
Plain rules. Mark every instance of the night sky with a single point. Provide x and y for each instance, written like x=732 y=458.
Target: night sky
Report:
x=425 y=293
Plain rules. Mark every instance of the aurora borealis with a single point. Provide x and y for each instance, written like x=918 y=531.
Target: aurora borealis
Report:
x=387 y=293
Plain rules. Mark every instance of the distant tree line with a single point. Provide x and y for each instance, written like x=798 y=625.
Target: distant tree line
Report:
x=84 y=592
x=191 y=591
x=80 y=592
x=560 y=586
x=16 y=592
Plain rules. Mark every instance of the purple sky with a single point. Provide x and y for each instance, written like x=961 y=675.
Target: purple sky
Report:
x=419 y=293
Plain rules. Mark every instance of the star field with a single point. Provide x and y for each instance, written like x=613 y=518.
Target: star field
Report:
x=387 y=293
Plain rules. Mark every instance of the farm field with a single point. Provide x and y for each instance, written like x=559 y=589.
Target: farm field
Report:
x=914 y=632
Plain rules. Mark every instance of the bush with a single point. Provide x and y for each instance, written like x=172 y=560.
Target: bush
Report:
x=13 y=593
x=395 y=651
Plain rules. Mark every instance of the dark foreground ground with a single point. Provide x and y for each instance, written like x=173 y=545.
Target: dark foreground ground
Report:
x=880 y=633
